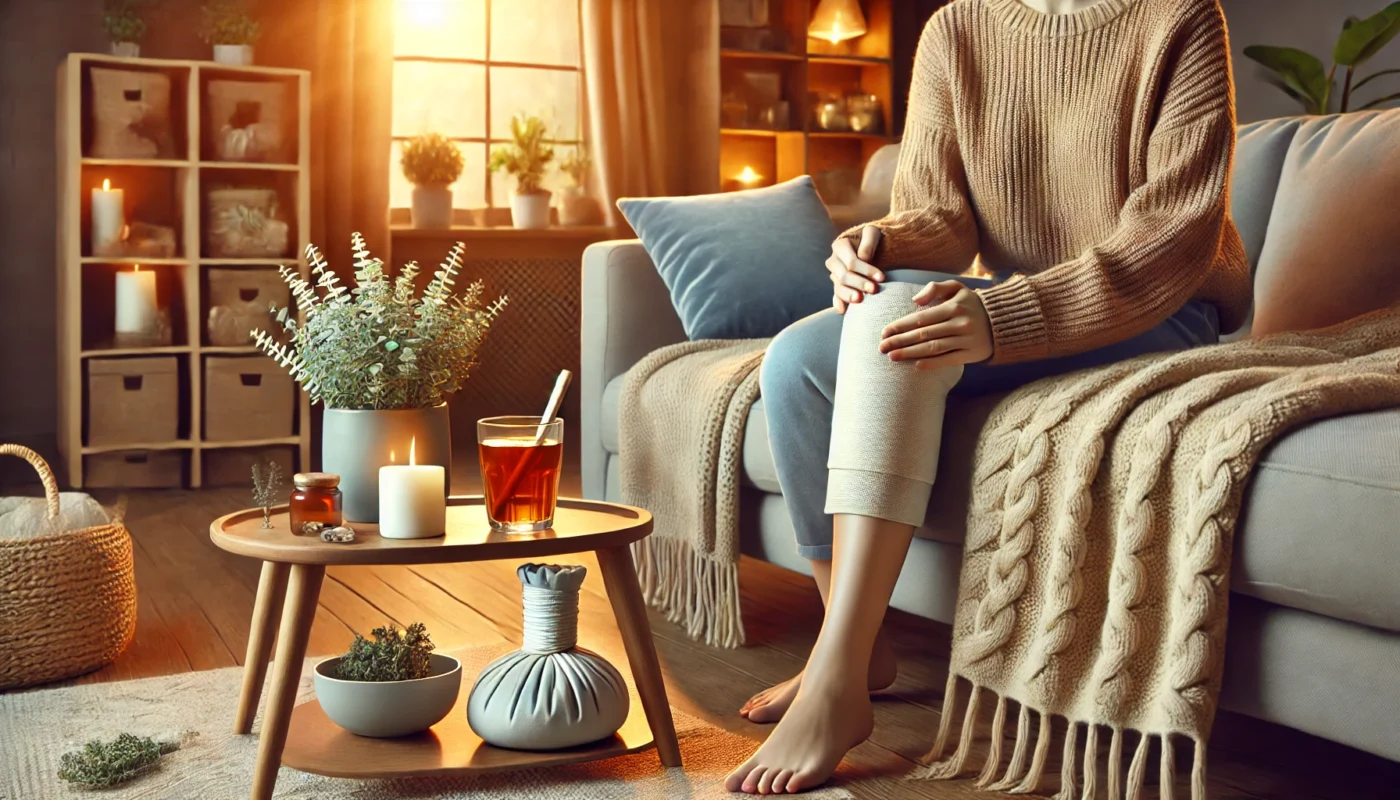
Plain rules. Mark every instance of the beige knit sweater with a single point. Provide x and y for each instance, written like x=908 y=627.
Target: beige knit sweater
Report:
x=1090 y=153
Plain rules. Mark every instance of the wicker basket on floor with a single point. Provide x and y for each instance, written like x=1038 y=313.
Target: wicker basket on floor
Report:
x=67 y=600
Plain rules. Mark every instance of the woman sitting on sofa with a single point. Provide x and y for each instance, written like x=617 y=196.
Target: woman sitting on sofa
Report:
x=1080 y=153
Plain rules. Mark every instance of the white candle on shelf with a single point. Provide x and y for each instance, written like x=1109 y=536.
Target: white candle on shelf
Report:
x=108 y=219
x=136 y=301
x=412 y=500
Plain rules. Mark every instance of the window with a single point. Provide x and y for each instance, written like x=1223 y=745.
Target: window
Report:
x=463 y=68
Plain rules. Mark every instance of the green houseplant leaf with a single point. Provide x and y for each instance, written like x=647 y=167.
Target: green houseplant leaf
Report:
x=1381 y=101
x=1301 y=72
x=1363 y=38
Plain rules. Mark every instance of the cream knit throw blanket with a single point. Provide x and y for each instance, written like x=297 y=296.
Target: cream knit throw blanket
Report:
x=681 y=437
x=1095 y=582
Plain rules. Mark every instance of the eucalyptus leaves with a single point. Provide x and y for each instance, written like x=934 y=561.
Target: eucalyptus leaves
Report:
x=378 y=345
x=1304 y=78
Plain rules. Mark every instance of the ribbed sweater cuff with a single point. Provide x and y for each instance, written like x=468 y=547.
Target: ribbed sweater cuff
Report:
x=1018 y=326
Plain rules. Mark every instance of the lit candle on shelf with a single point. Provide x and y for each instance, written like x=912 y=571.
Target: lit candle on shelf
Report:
x=748 y=178
x=136 y=301
x=108 y=219
x=412 y=499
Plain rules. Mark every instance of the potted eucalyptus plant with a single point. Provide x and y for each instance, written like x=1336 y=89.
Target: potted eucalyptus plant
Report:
x=526 y=157
x=432 y=164
x=382 y=359
x=1303 y=76
x=394 y=685
x=230 y=29
x=125 y=26
x=576 y=206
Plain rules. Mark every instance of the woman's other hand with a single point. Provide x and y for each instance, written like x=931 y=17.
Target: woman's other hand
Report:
x=852 y=275
x=952 y=328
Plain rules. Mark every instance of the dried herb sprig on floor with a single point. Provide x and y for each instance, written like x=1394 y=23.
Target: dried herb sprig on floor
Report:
x=101 y=765
x=394 y=655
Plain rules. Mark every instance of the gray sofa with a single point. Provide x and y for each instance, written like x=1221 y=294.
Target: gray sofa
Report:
x=1314 y=638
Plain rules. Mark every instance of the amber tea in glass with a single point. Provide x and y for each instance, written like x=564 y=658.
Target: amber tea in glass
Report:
x=520 y=461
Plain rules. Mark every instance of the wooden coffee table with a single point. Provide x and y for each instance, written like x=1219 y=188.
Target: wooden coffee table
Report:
x=293 y=567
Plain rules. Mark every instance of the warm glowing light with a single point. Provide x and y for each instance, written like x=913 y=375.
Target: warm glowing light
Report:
x=837 y=20
x=392 y=457
x=424 y=13
x=106 y=184
x=412 y=446
x=138 y=268
x=748 y=177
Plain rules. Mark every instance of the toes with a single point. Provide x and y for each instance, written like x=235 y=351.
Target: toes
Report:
x=765 y=781
x=803 y=780
x=735 y=781
x=751 y=782
x=780 y=783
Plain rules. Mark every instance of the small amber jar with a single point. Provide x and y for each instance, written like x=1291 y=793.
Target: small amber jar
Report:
x=316 y=498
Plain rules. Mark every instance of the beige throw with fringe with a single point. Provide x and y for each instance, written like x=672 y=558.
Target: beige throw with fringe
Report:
x=1095 y=582
x=681 y=436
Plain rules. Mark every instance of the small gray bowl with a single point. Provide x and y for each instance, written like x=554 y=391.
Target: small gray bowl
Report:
x=389 y=708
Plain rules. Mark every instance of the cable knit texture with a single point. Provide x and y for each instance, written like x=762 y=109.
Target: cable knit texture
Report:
x=1088 y=153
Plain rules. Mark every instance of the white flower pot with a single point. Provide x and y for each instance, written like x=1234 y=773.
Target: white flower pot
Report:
x=530 y=211
x=389 y=708
x=126 y=49
x=432 y=207
x=235 y=55
x=355 y=443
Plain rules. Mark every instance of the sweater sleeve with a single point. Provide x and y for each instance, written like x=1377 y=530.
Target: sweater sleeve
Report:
x=930 y=224
x=1169 y=232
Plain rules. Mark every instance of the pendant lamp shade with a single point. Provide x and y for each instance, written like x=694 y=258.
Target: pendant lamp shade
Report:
x=837 y=20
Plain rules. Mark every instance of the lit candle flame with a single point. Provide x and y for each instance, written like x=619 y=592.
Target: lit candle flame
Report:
x=748 y=177
x=106 y=184
x=138 y=268
x=392 y=457
x=412 y=445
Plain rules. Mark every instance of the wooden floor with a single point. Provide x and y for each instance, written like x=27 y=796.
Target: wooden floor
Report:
x=195 y=602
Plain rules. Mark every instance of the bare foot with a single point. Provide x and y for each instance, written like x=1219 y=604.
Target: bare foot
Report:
x=770 y=704
x=827 y=718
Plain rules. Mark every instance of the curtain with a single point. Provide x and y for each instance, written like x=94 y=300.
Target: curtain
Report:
x=652 y=70
x=348 y=46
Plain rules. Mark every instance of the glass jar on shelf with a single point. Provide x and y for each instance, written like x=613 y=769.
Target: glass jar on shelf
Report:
x=316 y=501
x=863 y=112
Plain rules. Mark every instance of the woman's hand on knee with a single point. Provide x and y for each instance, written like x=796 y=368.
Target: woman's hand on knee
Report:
x=852 y=274
x=951 y=329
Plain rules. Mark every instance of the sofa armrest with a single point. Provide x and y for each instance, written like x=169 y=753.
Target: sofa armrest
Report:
x=627 y=313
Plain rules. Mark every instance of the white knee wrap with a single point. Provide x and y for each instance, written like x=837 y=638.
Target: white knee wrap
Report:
x=887 y=421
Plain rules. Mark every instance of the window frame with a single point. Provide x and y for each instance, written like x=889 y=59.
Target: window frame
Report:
x=488 y=141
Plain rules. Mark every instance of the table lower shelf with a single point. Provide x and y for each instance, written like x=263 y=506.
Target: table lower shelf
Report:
x=315 y=744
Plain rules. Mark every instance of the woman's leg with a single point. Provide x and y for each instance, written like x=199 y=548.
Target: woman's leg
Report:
x=799 y=386
x=886 y=426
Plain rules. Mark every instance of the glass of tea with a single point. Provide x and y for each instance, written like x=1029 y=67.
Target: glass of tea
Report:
x=520 y=461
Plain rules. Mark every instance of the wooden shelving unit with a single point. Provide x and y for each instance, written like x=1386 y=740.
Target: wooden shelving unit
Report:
x=179 y=185
x=807 y=67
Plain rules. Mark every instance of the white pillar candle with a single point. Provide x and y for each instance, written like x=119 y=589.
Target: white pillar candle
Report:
x=136 y=301
x=412 y=500
x=108 y=219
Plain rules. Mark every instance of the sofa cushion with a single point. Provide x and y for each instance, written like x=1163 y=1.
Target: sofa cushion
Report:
x=1259 y=155
x=1330 y=251
x=739 y=265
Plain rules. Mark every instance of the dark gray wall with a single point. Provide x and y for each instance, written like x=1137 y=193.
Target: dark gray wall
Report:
x=1311 y=25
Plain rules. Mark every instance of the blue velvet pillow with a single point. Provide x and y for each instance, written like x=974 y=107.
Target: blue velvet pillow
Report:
x=739 y=265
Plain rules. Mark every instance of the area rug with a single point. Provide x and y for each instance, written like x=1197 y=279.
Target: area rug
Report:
x=37 y=727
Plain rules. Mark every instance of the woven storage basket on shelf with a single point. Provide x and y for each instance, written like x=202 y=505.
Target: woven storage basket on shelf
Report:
x=67 y=600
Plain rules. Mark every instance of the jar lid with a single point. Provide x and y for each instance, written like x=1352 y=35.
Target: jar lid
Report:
x=316 y=480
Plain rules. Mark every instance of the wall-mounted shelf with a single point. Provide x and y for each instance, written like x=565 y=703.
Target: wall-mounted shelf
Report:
x=169 y=191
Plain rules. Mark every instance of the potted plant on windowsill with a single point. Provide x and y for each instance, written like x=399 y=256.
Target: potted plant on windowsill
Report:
x=382 y=360
x=124 y=25
x=228 y=26
x=526 y=158
x=392 y=686
x=432 y=164
x=576 y=207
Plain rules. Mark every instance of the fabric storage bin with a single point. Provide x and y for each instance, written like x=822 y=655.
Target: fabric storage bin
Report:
x=130 y=114
x=240 y=301
x=246 y=398
x=133 y=400
x=234 y=466
x=245 y=223
x=136 y=469
x=248 y=120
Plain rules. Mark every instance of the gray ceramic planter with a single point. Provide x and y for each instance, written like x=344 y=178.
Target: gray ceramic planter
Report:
x=389 y=708
x=355 y=444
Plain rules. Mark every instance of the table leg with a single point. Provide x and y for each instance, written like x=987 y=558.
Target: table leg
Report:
x=303 y=590
x=620 y=577
x=267 y=610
